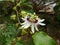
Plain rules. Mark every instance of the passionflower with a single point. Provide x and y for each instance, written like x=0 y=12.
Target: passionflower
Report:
x=33 y=22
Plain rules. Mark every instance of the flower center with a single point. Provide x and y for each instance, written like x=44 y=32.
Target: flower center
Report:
x=35 y=21
x=32 y=19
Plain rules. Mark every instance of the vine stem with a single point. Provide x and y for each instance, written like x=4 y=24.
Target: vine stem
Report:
x=17 y=14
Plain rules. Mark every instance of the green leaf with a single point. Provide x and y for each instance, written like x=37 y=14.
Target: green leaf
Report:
x=26 y=3
x=10 y=30
x=58 y=17
x=41 y=38
x=18 y=43
x=2 y=40
x=8 y=41
x=57 y=7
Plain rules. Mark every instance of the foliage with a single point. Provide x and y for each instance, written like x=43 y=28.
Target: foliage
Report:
x=11 y=12
x=41 y=38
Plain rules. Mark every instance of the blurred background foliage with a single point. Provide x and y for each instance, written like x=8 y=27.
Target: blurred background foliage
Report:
x=11 y=12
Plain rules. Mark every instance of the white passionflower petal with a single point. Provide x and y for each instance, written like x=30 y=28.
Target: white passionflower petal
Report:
x=32 y=27
x=24 y=18
x=41 y=20
x=42 y=24
x=36 y=28
x=22 y=26
x=26 y=25
x=23 y=23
